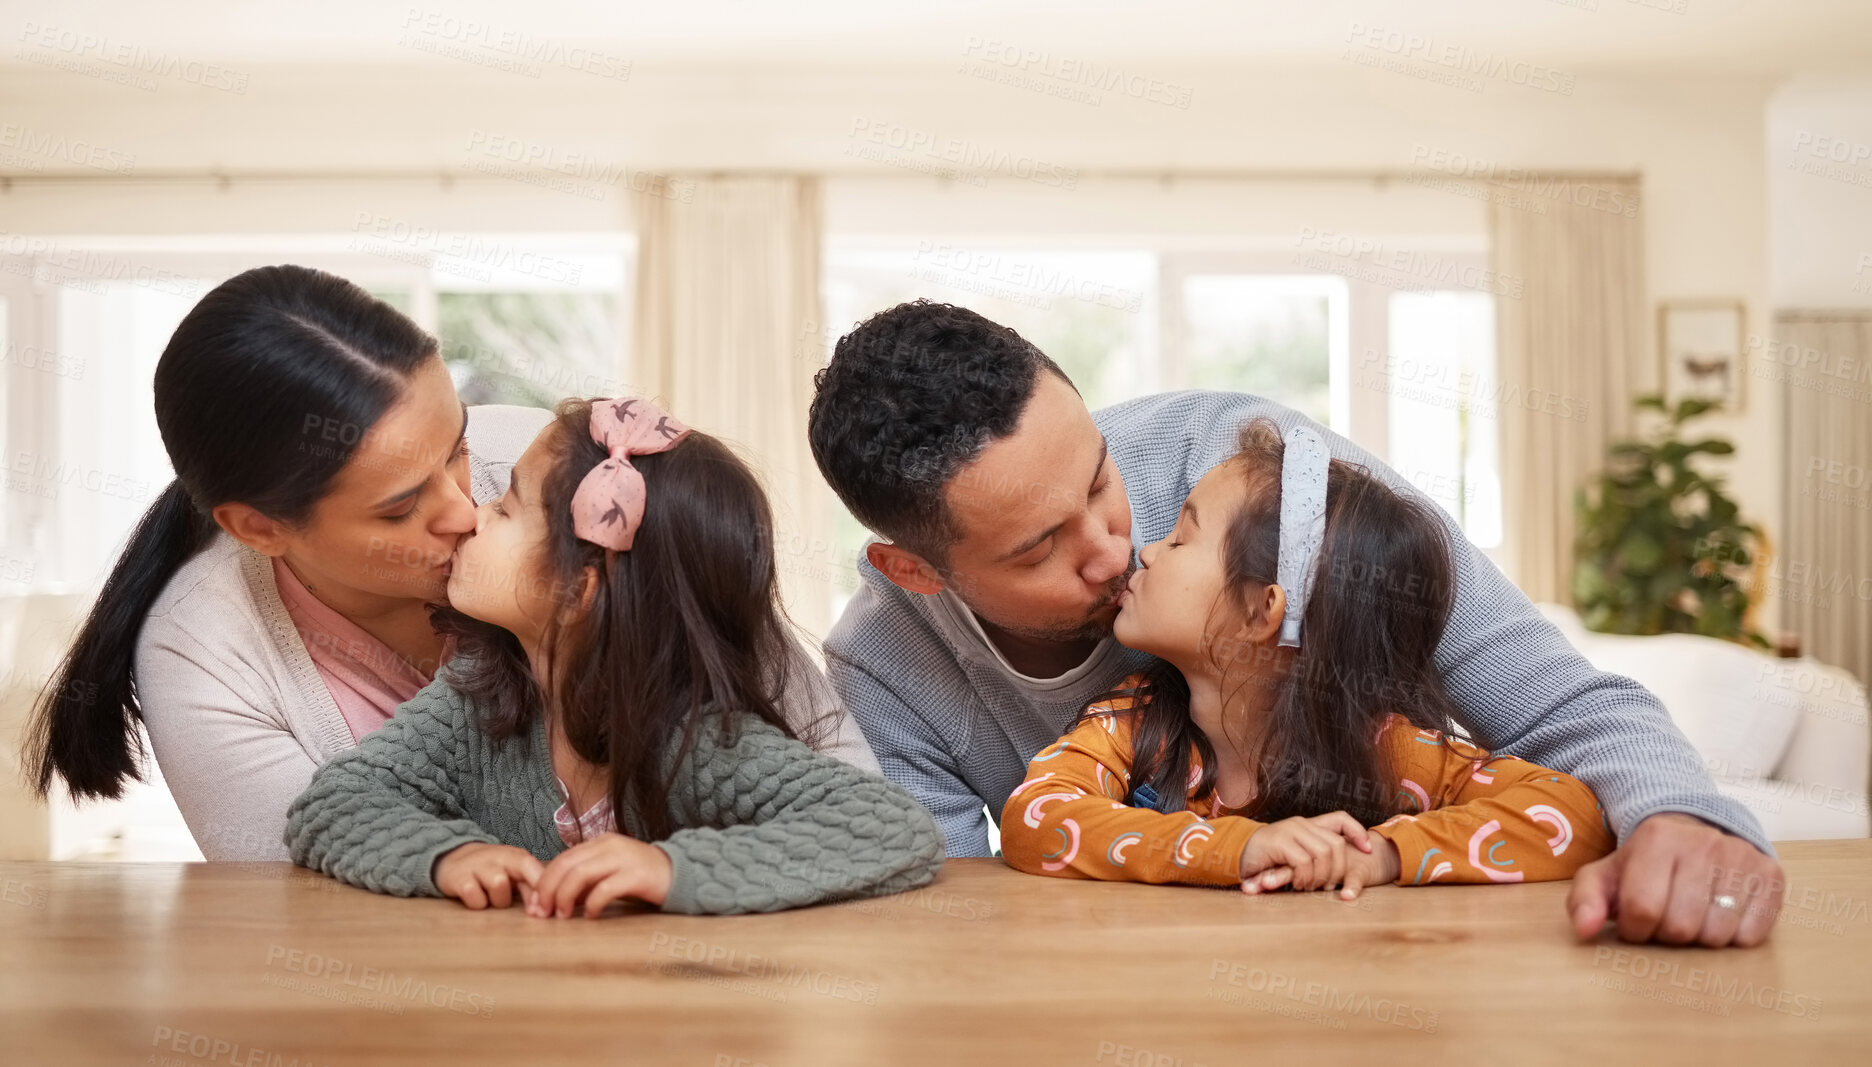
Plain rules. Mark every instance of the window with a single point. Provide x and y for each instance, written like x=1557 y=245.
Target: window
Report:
x=1270 y=335
x=1125 y=322
x=105 y=462
x=521 y=320
x=1443 y=433
x=1093 y=312
x=550 y=326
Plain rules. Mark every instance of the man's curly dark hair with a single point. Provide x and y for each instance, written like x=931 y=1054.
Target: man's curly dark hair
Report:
x=911 y=396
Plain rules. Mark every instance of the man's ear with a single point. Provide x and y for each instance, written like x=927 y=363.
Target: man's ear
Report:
x=906 y=570
x=251 y=528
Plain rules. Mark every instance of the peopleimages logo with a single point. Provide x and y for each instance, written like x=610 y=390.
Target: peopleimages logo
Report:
x=212 y=1048
x=1458 y=59
x=317 y=966
x=420 y=242
x=557 y=168
x=1612 y=199
x=1012 y=278
x=62 y=149
x=130 y=58
x=1078 y=73
x=1706 y=981
x=1321 y=995
x=76 y=266
x=722 y=961
x=444 y=34
x=967 y=156
x=1397 y=266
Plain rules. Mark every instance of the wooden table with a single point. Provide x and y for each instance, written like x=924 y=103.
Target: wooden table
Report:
x=249 y=965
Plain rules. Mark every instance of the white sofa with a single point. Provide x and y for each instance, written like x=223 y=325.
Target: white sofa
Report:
x=1786 y=737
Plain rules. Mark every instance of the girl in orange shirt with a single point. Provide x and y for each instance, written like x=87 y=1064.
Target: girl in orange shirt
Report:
x=1295 y=610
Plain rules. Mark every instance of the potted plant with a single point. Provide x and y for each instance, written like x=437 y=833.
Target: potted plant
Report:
x=1661 y=548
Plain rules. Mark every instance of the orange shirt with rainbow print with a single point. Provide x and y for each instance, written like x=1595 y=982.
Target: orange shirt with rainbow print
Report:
x=1467 y=816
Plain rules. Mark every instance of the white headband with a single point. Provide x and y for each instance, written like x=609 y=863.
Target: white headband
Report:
x=1302 y=523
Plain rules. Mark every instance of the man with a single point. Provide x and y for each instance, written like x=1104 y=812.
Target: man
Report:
x=1011 y=516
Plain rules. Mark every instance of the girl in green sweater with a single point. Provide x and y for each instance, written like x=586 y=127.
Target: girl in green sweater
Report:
x=610 y=727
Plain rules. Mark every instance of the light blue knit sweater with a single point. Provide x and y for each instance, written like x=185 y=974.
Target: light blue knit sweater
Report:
x=950 y=722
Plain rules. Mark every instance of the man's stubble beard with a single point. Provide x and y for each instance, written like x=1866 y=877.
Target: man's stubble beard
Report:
x=1096 y=626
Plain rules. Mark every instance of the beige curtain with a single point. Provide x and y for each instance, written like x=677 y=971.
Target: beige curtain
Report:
x=1571 y=352
x=1822 y=570
x=727 y=287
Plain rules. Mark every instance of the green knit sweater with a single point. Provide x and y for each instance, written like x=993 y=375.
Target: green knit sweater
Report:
x=767 y=822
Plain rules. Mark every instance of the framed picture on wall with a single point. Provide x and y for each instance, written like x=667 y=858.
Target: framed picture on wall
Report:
x=1700 y=342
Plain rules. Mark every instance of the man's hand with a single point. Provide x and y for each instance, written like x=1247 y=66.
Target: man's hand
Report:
x=1663 y=885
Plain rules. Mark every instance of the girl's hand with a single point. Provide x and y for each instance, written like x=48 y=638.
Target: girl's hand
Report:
x=1376 y=868
x=1304 y=853
x=607 y=868
x=481 y=875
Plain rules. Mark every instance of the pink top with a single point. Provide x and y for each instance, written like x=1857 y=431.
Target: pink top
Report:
x=366 y=679
x=598 y=819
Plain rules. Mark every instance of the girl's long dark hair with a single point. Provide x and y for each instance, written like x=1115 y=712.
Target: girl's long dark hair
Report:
x=1382 y=594
x=246 y=390
x=689 y=619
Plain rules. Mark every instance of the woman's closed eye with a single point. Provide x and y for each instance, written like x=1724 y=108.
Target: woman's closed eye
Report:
x=461 y=453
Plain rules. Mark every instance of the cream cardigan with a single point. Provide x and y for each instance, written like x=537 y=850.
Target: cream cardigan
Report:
x=239 y=717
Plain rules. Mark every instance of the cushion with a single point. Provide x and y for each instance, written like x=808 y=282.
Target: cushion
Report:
x=1720 y=694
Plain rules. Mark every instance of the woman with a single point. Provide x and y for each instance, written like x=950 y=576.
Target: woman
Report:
x=272 y=606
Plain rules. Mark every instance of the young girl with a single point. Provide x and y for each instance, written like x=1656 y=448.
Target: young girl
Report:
x=1295 y=608
x=610 y=727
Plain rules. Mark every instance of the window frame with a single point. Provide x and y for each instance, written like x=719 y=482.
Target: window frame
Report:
x=32 y=284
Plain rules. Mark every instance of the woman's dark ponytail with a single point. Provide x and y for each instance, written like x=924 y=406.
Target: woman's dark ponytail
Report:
x=254 y=371
x=84 y=727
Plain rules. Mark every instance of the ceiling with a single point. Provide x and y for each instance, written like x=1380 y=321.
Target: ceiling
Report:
x=1754 y=37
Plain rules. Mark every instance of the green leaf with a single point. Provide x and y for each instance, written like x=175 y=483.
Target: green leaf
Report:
x=1640 y=552
x=1659 y=547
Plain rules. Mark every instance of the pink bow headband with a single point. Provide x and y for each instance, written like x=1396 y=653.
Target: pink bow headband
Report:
x=608 y=507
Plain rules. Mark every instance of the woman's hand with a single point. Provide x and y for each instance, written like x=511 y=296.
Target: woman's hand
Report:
x=1306 y=853
x=607 y=868
x=481 y=875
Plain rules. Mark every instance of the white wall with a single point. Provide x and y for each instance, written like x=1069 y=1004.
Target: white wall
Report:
x=1263 y=132
x=1819 y=136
